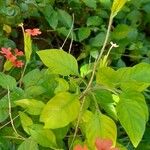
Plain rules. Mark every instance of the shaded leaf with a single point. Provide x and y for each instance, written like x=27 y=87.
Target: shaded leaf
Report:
x=28 y=144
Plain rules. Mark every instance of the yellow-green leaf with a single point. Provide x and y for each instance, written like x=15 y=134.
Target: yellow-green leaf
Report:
x=60 y=110
x=32 y=106
x=99 y=126
x=27 y=46
x=117 y=6
x=26 y=121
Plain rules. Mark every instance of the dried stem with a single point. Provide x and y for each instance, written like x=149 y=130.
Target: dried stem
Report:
x=10 y=115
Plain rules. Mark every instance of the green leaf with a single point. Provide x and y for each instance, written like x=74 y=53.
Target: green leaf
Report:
x=106 y=3
x=4 y=106
x=64 y=18
x=33 y=77
x=27 y=46
x=83 y=33
x=98 y=40
x=28 y=144
x=32 y=106
x=105 y=99
x=62 y=86
x=94 y=21
x=44 y=137
x=59 y=61
x=7 y=81
x=123 y=31
x=60 y=110
x=100 y=126
x=133 y=114
x=107 y=76
x=50 y=15
x=26 y=121
x=117 y=6
x=90 y=3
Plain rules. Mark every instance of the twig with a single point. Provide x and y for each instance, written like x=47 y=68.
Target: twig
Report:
x=77 y=125
x=68 y=33
x=98 y=59
x=10 y=115
x=8 y=122
x=22 y=75
x=92 y=77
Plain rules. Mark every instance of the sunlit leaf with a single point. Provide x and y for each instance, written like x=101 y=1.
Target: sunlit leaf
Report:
x=59 y=61
x=133 y=114
x=60 y=110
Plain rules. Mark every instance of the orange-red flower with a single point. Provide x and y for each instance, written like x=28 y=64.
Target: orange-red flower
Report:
x=33 y=32
x=104 y=144
x=79 y=147
x=12 y=57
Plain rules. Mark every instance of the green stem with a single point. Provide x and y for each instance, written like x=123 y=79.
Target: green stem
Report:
x=98 y=59
x=22 y=75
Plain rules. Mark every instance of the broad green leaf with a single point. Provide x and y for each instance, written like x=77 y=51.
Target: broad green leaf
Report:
x=122 y=31
x=44 y=137
x=101 y=126
x=28 y=144
x=117 y=6
x=98 y=40
x=133 y=114
x=64 y=18
x=27 y=46
x=105 y=99
x=59 y=61
x=50 y=15
x=83 y=33
x=32 y=106
x=62 y=85
x=90 y=3
x=26 y=121
x=60 y=110
x=107 y=76
x=106 y=3
x=94 y=21
x=33 y=77
x=138 y=76
x=7 y=81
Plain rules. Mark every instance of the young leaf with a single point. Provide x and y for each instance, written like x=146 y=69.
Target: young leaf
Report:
x=26 y=121
x=100 y=126
x=27 y=46
x=59 y=61
x=32 y=106
x=117 y=6
x=133 y=114
x=62 y=85
x=28 y=144
x=60 y=110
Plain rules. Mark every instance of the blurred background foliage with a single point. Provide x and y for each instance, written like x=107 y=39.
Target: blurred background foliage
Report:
x=85 y=23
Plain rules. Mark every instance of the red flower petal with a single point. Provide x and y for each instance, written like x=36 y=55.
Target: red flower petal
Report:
x=18 y=53
x=79 y=147
x=18 y=64
x=33 y=32
x=104 y=144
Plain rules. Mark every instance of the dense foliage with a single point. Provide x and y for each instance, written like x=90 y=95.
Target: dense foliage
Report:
x=65 y=84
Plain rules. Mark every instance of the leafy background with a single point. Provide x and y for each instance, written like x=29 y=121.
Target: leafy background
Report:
x=87 y=22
